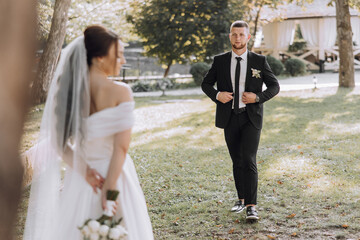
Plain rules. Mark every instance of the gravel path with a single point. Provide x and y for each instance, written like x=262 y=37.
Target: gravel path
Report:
x=324 y=80
x=159 y=115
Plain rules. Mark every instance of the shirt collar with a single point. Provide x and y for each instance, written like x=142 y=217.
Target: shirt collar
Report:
x=243 y=56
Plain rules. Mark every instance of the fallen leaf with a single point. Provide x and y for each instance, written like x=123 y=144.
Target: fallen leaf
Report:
x=301 y=153
x=237 y=221
x=180 y=165
x=271 y=237
x=330 y=149
x=280 y=182
x=176 y=219
x=293 y=234
x=291 y=215
x=219 y=226
x=162 y=216
x=260 y=162
x=299 y=147
x=195 y=206
x=345 y=226
x=231 y=230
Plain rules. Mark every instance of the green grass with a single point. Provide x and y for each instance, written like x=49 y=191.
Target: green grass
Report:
x=309 y=173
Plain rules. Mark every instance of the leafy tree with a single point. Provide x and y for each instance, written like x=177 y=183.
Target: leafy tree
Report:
x=180 y=30
x=109 y=13
x=52 y=50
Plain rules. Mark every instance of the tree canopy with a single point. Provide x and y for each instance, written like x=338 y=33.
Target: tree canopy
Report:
x=178 y=31
x=110 y=13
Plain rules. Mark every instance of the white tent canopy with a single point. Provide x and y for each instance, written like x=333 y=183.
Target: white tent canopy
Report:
x=318 y=27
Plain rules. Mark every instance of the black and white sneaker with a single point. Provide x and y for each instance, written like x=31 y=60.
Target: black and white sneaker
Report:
x=251 y=213
x=238 y=207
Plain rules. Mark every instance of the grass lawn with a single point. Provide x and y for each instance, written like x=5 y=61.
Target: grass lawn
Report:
x=308 y=163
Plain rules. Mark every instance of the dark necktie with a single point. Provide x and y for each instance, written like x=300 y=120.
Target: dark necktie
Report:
x=237 y=80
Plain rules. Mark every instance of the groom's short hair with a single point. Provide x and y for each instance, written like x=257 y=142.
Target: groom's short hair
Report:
x=239 y=24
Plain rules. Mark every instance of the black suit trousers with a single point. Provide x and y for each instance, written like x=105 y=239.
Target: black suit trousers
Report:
x=242 y=140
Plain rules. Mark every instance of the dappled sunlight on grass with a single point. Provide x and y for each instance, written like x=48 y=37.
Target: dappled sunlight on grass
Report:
x=301 y=167
x=155 y=136
x=308 y=165
x=158 y=115
x=282 y=117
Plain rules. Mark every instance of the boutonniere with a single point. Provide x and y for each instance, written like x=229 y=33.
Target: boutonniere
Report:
x=255 y=72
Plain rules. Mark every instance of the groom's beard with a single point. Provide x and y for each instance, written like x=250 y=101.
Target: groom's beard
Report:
x=239 y=47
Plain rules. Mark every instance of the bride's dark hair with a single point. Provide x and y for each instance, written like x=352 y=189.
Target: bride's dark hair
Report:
x=98 y=41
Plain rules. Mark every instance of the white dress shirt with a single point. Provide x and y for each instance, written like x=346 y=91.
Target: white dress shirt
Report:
x=243 y=70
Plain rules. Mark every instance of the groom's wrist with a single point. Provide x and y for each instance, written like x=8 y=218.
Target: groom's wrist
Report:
x=217 y=96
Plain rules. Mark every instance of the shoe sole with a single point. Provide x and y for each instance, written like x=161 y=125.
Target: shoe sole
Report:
x=240 y=211
x=252 y=218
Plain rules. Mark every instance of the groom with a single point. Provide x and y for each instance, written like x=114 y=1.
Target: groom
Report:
x=239 y=98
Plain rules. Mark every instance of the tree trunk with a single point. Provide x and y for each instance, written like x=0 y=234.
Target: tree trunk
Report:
x=17 y=48
x=256 y=23
x=346 y=54
x=52 y=51
x=167 y=70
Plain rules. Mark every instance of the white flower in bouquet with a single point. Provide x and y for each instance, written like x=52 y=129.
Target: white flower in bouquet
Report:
x=85 y=231
x=122 y=230
x=115 y=233
x=103 y=230
x=94 y=236
x=94 y=226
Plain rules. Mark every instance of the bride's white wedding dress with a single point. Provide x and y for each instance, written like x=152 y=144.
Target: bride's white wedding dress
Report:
x=78 y=202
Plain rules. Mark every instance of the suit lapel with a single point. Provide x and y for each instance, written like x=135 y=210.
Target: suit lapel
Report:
x=228 y=70
x=248 y=71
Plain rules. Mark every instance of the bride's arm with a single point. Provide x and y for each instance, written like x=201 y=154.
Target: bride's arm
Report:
x=91 y=175
x=121 y=145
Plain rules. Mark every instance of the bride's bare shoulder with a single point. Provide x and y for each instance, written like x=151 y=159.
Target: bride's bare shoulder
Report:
x=121 y=92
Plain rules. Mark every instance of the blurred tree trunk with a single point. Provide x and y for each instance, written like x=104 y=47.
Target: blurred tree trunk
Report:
x=346 y=54
x=52 y=51
x=17 y=48
x=166 y=73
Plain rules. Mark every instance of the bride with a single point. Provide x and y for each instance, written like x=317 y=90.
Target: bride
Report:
x=87 y=124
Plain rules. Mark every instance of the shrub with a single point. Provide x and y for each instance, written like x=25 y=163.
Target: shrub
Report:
x=164 y=84
x=276 y=65
x=295 y=67
x=198 y=70
x=142 y=86
x=298 y=45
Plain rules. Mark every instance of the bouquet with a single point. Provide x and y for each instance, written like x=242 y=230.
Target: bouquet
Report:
x=104 y=228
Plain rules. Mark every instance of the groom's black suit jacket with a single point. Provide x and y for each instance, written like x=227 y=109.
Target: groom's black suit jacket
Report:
x=220 y=73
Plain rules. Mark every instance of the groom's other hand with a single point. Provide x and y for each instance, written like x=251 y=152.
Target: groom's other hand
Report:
x=248 y=97
x=224 y=97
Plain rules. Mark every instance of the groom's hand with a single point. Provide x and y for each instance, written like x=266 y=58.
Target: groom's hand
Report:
x=225 y=97
x=248 y=97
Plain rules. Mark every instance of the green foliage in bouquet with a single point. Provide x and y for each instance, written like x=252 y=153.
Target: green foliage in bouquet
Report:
x=111 y=195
